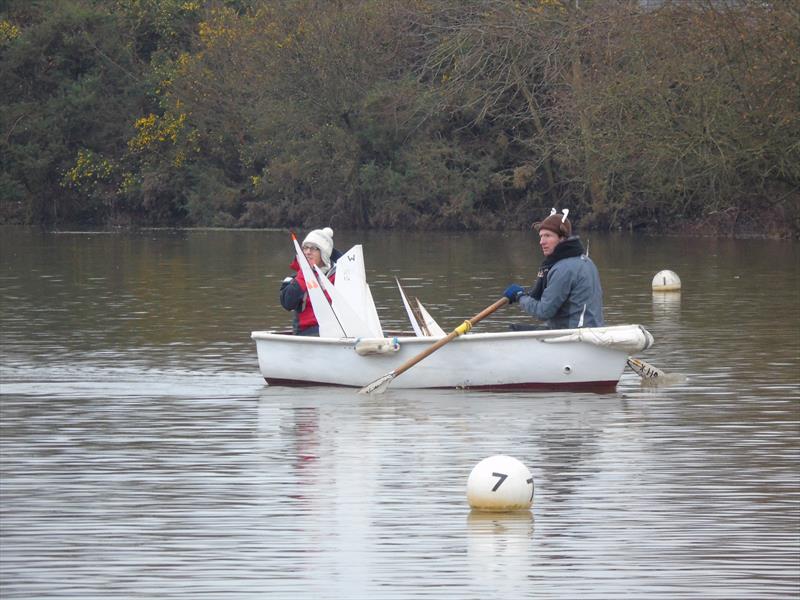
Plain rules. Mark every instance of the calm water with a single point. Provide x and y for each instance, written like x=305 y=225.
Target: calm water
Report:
x=142 y=456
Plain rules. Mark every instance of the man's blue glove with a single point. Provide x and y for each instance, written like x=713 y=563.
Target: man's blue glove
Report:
x=513 y=292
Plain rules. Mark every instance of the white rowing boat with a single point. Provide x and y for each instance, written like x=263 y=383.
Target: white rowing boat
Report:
x=590 y=359
x=352 y=349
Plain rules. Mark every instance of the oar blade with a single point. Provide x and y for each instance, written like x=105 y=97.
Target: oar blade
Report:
x=378 y=386
x=644 y=369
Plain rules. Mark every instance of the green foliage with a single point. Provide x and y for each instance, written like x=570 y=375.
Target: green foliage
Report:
x=389 y=113
x=157 y=26
x=694 y=111
x=67 y=87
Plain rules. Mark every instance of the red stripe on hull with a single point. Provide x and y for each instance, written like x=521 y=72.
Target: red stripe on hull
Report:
x=597 y=387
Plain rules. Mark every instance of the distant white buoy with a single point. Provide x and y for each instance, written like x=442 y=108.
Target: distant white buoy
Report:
x=500 y=483
x=666 y=281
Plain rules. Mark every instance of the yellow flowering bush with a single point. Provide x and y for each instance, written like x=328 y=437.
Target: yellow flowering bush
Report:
x=217 y=30
x=8 y=32
x=89 y=170
x=153 y=131
x=130 y=182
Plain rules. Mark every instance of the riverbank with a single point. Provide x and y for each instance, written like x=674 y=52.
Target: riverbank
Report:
x=731 y=223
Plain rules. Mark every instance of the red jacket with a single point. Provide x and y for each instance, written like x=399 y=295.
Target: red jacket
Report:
x=294 y=296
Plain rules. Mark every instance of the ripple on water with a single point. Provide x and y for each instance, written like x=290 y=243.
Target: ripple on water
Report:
x=141 y=454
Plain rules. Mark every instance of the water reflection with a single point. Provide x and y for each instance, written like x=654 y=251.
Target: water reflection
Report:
x=499 y=546
x=667 y=307
x=141 y=454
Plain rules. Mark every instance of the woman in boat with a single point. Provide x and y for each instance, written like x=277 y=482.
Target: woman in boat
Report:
x=567 y=292
x=318 y=250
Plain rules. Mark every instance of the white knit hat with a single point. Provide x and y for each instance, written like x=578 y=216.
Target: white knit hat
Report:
x=322 y=239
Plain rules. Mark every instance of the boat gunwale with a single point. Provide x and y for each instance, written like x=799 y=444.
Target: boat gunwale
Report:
x=409 y=337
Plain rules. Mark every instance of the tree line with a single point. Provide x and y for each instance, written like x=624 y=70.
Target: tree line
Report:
x=436 y=114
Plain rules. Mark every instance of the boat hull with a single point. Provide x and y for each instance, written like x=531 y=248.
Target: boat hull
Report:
x=580 y=360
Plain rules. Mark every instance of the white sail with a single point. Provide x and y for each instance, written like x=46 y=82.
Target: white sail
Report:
x=433 y=326
x=372 y=315
x=423 y=323
x=329 y=325
x=411 y=316
x=353 y=324
x=351 y=283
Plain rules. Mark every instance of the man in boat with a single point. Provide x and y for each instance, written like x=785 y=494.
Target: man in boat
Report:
x=318 y=250
x=567 y=292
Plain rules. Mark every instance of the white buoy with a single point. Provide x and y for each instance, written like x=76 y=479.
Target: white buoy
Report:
x=666 y=281
x=500 y=483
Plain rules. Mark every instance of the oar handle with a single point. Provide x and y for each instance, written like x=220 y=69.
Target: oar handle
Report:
x=488 y=310
x=461 y=329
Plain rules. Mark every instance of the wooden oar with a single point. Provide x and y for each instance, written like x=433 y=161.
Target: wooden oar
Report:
x=379 y=385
